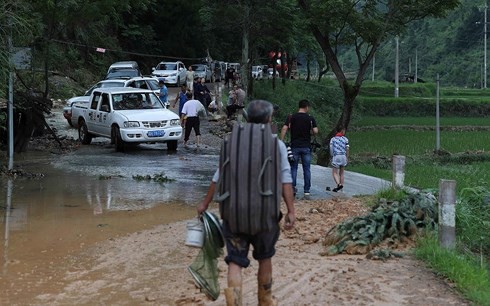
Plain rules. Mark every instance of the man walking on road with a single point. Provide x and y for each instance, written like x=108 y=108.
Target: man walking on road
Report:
x=301 y=126
x=239 y=239
x=339 y=152
x=190 y=118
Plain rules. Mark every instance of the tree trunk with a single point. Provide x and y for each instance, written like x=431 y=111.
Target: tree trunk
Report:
x=350 y=94
x=283 y=73
x=244 y=73
x=321 y=73
x=274 y=61
x=308 y=70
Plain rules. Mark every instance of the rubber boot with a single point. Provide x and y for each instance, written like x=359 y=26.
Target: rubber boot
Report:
x=265 y=295
x=233 y=296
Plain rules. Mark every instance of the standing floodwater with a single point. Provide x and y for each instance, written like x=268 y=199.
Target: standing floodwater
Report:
x=68 y=202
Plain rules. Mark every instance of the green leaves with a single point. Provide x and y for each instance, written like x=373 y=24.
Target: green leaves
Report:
x=388 y=220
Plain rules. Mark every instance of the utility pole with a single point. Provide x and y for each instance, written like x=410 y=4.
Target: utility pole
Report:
x=374 y=64
x=438 y=132
x=485 y=48
x=416 y=72
x=10 y=105
x=484 y=72
x=397 y=77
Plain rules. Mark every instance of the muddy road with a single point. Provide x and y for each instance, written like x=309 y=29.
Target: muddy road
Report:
x=68 y=202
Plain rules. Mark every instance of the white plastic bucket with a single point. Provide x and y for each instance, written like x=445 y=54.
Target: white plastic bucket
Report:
x=195 y=234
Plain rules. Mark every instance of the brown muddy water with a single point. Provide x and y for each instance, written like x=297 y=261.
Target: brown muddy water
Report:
x=44 y=219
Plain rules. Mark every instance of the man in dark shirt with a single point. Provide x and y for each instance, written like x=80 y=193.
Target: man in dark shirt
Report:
x=229 y=76
x=301 y=126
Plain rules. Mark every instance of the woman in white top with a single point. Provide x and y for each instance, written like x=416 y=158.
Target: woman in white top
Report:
x=190 y=79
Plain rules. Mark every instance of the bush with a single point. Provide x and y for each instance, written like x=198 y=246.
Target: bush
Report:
x=325 y=97
x=386 y=89
x=420 y=106
x=473 y=219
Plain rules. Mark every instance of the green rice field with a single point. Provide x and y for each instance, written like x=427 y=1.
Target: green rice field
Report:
x=413 y=142
x=423 y=121
x=423 y=168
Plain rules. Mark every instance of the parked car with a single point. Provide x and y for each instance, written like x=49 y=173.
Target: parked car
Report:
x=257 y=72
x=219 y=70
x=217 y=73
x=202 y=71
x=270 y=73
x=174 y=73
x=235 y=66
x=123 y=65
x=138 y=82
x=126 y=115
x=124 y=73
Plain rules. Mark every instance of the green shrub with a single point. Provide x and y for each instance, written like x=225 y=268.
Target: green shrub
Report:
x=473 y=219
x=387 y=89
x=325 y=97
x=422 y=106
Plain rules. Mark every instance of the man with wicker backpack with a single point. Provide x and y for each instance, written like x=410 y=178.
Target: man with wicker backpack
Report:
x=250 y=203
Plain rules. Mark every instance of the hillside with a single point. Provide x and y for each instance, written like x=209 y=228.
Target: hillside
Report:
x=451 y=47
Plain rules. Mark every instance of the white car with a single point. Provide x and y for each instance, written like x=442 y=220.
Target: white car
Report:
x=270 y=73
x=202 y=71
x=174 y=73
x=257 y=72
x=126 y=115
x=138 y=82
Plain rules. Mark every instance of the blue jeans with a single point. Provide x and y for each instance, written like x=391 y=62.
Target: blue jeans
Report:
x=303 y=154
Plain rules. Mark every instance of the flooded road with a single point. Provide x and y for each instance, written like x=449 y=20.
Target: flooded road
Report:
x=88 y=196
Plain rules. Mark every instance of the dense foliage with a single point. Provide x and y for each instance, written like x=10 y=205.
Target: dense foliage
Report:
x=473 y=219
x=393 y=221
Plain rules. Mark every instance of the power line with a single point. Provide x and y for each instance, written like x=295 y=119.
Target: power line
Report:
x=125 y=52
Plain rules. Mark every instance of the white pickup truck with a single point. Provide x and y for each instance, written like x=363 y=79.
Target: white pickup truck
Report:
x=126 y=115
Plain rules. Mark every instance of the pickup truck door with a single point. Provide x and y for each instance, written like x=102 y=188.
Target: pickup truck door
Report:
x=104 y=116
x=91 y=117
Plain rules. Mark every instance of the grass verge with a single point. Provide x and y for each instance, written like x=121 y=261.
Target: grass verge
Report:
x=470 y=278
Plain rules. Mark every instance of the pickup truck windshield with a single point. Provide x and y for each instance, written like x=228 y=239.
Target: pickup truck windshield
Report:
x=135 y=101
x=123 y=74
x=198 y=67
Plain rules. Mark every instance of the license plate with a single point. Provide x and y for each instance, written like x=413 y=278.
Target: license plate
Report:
x=156 y=133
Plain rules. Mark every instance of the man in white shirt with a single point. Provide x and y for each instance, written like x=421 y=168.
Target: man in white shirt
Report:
x=190 y=118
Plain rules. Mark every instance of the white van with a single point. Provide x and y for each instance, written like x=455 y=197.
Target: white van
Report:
x=257 y=72
x=235 y=66
x=123 y=65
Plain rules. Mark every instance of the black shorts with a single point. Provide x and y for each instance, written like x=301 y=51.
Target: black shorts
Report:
x=191 y=123
x=238 y=245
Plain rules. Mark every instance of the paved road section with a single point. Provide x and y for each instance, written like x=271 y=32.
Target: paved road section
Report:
x=355 y=183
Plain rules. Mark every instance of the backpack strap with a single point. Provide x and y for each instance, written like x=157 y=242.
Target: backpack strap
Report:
x=268 y=192
x=226 y=194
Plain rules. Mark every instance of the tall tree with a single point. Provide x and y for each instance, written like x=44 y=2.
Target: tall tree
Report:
x=363 y=25
x=253 y=27
x=15 y=29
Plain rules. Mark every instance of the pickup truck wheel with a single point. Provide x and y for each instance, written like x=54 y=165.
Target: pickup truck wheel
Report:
x=113 y=135
x=118 y=140
x=172 y=145
x=83 y=134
